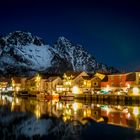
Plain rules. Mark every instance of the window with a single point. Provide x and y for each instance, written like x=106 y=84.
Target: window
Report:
x=95 y=84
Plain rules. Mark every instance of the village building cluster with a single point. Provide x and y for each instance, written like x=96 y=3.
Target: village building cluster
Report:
x=74 y=83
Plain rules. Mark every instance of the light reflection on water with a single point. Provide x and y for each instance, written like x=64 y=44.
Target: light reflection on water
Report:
x=74 y=112
x=127 y=116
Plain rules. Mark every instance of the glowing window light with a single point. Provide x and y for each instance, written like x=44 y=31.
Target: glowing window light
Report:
x=128 y=115
x=128 y=85
x=75 y=90
x=136 y=111
x=60 y=105
x=38 y=78
x=17 y=89
x=135 y=91
x=107 y=88
x=85 y=82
x=85 y=114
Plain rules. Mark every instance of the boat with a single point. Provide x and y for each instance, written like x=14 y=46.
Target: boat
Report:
x=47 y=96
x=53 y=96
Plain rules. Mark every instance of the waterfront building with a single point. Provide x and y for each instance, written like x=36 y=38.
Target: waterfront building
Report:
x=123 y=81
x=52 y=83
x=4 y=83
x=18 y=83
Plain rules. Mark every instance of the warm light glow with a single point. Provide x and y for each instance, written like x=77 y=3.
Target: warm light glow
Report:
x=85 y=114
x=17 y=89
x=119 y=93
x=75 y=106
x=75 y=90
x=88 y=112
x=85 y=82
x=60 y=105
x=37 y=112
x=17 y=100
x=12 y=106
x=13 y=83
x=128 y=115
x=128 y=85
x=68 y=111
x=136 y=111
x=68 y=82
x=64 y=119
x=38 y=78
x=135 y=91
x=107 y=88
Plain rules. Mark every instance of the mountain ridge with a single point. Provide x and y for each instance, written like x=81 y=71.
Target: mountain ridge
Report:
x=22 y=53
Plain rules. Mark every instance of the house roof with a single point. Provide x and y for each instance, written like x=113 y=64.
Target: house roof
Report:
x=86 y=77
x=52 y=78
x=102 y=72
x=46 y=76
x=3 y=79
x=131 y=76
x=17 y=79
x=105 y=79
x=74 y=74
x=91 y=77
x=100 y=75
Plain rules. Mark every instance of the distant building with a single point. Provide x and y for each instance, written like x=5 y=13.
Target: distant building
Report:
x=18 y=83
x=36 y=83
x=52 y=83
x=4 y=83
x=121 y=81
x=91 y=82
x=73 y=78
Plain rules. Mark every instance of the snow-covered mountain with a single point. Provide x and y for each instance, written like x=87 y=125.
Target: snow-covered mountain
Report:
x=79 y=57
x=21 y=53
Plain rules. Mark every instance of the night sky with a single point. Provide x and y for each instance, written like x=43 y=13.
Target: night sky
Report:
x=110 y=30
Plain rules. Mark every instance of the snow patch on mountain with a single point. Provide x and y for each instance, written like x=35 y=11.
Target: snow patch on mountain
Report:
x=21 y=53
x=79 y=58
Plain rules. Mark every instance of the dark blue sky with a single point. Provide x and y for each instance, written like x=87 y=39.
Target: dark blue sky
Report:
x=109 y=29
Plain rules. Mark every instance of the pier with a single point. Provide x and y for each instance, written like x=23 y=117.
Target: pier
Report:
x=111 y=99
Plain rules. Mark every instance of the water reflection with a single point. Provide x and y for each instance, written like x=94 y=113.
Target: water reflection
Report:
x=76 y=113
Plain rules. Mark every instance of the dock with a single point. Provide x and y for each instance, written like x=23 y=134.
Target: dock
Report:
x=109 y=99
